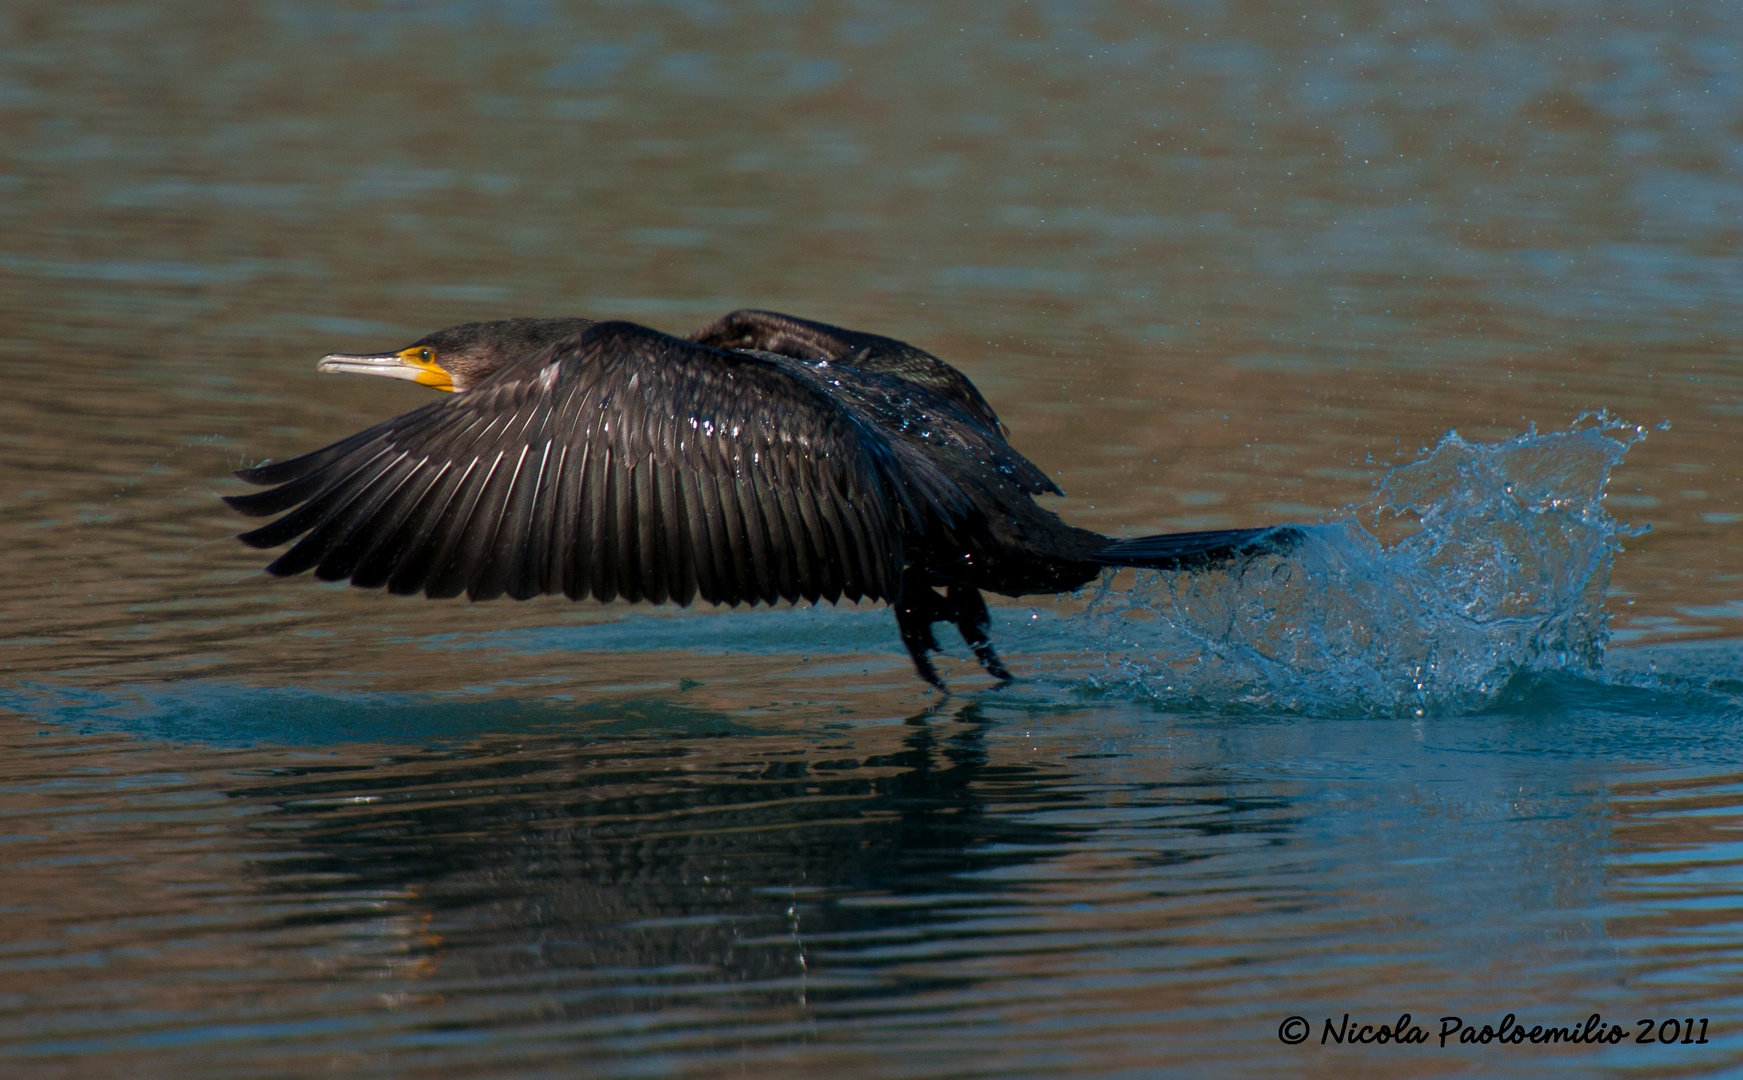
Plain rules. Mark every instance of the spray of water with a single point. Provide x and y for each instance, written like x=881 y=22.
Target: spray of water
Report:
x=1472 y=565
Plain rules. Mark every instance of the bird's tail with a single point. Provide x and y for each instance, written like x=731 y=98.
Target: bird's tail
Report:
x=1183 y=551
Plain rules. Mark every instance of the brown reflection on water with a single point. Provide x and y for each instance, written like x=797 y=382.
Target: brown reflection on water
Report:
x=969 y=891
x=587 y=879
x=1677 y=851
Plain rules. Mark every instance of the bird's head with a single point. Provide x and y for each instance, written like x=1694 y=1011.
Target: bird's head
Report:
x=458 y=357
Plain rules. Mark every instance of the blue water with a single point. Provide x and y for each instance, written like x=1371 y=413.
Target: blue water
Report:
x=1388 y=271
x=994 y=886
x=1368 y=776
x=1495 y=569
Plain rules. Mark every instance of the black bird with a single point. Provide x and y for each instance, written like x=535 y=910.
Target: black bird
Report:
x=766 y=458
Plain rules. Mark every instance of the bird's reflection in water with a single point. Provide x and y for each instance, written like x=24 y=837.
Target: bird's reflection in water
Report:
x=620 y=873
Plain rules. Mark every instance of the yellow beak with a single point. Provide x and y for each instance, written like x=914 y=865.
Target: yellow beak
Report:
x=405 y=364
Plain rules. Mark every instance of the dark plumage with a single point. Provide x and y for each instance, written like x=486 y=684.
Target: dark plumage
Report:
x=767 y=458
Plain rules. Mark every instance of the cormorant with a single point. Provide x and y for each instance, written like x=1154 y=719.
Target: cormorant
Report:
x=764 y=458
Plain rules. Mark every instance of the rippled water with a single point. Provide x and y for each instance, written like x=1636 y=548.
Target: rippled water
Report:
x=1473 y=748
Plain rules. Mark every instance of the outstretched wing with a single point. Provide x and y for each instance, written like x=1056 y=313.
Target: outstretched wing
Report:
x=803 y=339
x=907 y=390
x=620 y=462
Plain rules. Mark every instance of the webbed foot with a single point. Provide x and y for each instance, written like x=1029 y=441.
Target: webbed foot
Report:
x=973 y=620
x=921 y=606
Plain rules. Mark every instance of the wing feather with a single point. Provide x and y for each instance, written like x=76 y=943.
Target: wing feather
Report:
x=604 y=478
x=707 y=535
x=336 y=493
x=619 y=463
x=800 y=519
x=451 y=568
x=284 y=471
x=756 y=535
x=625 y=555
x=392 y=537
x=357 y=530
x=568 y=548
x=361 y=499
x=839 y=542
x=650 y=539
x=477 y=557
x=681 y=554
x=784 y=540
x=732 y=555
x=522 y=549
x=409 y=570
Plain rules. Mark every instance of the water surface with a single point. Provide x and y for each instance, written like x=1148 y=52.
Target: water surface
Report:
x=1214 y=264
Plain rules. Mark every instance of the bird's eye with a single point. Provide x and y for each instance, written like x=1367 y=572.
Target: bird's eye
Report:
x=427 y=355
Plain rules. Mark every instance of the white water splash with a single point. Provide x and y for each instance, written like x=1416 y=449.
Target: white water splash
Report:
x=1494 y=562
